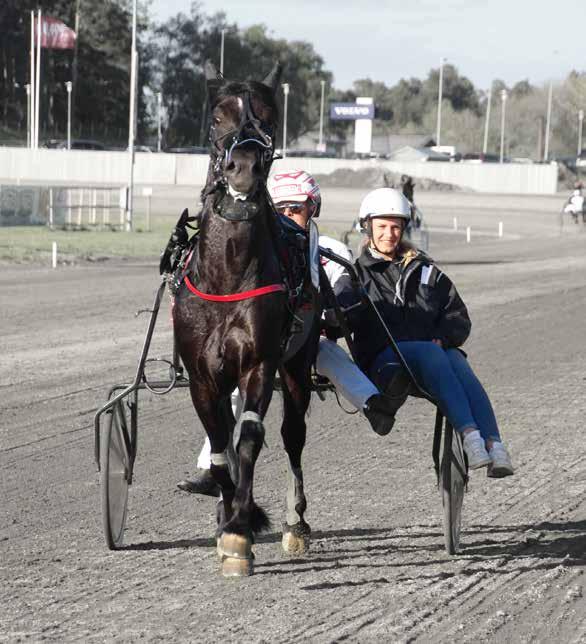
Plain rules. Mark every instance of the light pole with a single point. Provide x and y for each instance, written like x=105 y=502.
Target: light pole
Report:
x=488 y=101
x=28 y=116
x=69 y=86
x=580 y=124
x=131 y=121
x=222 y=52
x=503 y=110
x=439 y=103
x=320 y=145
x=159 y=106
x=548 y=122
x=286 y=96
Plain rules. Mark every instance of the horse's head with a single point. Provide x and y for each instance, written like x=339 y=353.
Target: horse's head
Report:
x=244 y=122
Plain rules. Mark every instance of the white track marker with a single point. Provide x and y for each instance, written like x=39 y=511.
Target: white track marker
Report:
x=54 y=254
x=500 y=228
x=455 y=223
x=468 y=231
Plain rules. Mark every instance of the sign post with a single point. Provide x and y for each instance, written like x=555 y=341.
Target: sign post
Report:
x=286 y=99
x=362 y=112
x=69 y=86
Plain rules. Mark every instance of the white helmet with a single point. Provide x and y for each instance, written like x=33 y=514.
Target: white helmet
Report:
x=296 y=185
x=384 y=202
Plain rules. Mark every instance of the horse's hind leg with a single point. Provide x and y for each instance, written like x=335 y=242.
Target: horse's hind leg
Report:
x=296 y=396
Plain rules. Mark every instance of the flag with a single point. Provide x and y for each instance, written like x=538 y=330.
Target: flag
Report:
x=55 y=34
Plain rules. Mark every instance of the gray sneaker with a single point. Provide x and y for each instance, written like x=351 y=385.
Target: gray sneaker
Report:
x=476 y=450
x=500 y=462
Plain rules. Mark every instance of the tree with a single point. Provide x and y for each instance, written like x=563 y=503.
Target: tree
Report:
x=103 y=63
x=186 y=42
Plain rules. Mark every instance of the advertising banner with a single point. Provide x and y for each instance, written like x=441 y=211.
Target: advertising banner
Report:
x=351 y=111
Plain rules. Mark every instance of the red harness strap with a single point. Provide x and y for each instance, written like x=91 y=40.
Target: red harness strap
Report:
x=236 y=297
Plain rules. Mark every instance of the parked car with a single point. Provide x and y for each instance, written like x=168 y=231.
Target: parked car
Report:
x=142 y=148
x=581 y=159
x=76 y=144
x=192 y=149
x=480 y=157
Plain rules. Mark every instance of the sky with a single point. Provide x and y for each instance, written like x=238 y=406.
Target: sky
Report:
x=387 y=40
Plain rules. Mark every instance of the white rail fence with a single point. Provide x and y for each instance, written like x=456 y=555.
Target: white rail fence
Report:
x=20 y=165
x=97 y=207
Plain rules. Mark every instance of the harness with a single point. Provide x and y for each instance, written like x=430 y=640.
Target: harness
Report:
x=291 y=245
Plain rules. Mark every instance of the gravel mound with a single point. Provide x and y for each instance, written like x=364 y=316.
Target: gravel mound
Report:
x=377 y=177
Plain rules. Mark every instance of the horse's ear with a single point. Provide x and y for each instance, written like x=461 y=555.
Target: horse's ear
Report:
x=213 y=79
x=273 y=77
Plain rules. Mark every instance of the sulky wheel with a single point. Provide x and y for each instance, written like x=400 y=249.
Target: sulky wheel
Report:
x=453 y=484
x=115 y=475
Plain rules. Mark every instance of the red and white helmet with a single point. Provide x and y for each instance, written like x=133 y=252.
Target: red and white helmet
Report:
x=296 y=185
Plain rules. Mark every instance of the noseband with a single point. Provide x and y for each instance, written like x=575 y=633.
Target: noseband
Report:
x=249 y=131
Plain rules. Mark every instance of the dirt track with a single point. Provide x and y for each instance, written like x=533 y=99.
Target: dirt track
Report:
x=377 y=570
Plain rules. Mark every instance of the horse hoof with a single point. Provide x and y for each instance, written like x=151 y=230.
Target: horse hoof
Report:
x=236 y=554
x=296 y=539
x=235 y=546
x=232 y=567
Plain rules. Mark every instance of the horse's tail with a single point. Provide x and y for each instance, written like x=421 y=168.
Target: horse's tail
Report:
x=259 y=520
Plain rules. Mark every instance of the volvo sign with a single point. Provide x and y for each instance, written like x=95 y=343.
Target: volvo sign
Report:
x=351 y=111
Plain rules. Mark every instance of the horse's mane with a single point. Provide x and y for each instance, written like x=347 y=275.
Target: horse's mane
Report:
x=234 y=88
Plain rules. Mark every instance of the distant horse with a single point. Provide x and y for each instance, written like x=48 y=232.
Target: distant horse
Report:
x=230 y=315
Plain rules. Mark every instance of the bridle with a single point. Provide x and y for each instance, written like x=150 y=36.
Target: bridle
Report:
x=250 y=130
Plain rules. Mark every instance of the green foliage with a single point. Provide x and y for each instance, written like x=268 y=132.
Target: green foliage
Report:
x=99 y=67
x=171 y=59
x=185 y=43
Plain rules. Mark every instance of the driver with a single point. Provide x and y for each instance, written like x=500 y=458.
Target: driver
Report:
x=296 y=196
x=575 y=204
x=429 y=321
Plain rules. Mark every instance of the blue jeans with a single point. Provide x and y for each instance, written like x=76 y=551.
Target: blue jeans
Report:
x=446 y=375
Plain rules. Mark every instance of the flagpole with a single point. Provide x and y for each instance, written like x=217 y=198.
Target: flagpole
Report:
x=33 y=89
x=38 y=81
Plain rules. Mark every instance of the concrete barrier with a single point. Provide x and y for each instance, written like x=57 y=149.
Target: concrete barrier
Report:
x=23 y=166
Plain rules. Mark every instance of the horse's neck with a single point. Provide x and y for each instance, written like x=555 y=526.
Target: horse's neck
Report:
x=235 y=255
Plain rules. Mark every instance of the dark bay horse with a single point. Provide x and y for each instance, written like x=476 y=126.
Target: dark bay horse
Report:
x=236 y=341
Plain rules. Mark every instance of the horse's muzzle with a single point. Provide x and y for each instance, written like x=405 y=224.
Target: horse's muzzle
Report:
x=242 y=170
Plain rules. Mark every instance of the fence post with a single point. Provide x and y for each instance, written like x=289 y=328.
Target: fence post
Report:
x=148 y=193
x=51 y=217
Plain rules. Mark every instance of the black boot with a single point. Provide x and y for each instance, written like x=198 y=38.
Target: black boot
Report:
x=202 y=483
x=379 y=413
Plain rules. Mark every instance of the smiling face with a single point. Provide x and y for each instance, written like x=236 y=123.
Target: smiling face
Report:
x=242 y=165
x=386 y=235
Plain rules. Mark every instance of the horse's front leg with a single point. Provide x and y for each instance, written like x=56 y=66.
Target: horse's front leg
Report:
x=247 y=519
x=296 y=380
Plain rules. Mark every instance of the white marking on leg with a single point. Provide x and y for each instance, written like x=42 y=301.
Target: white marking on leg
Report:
x=219 y=458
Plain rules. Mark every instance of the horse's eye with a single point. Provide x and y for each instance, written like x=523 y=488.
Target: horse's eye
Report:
x=217 y=120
